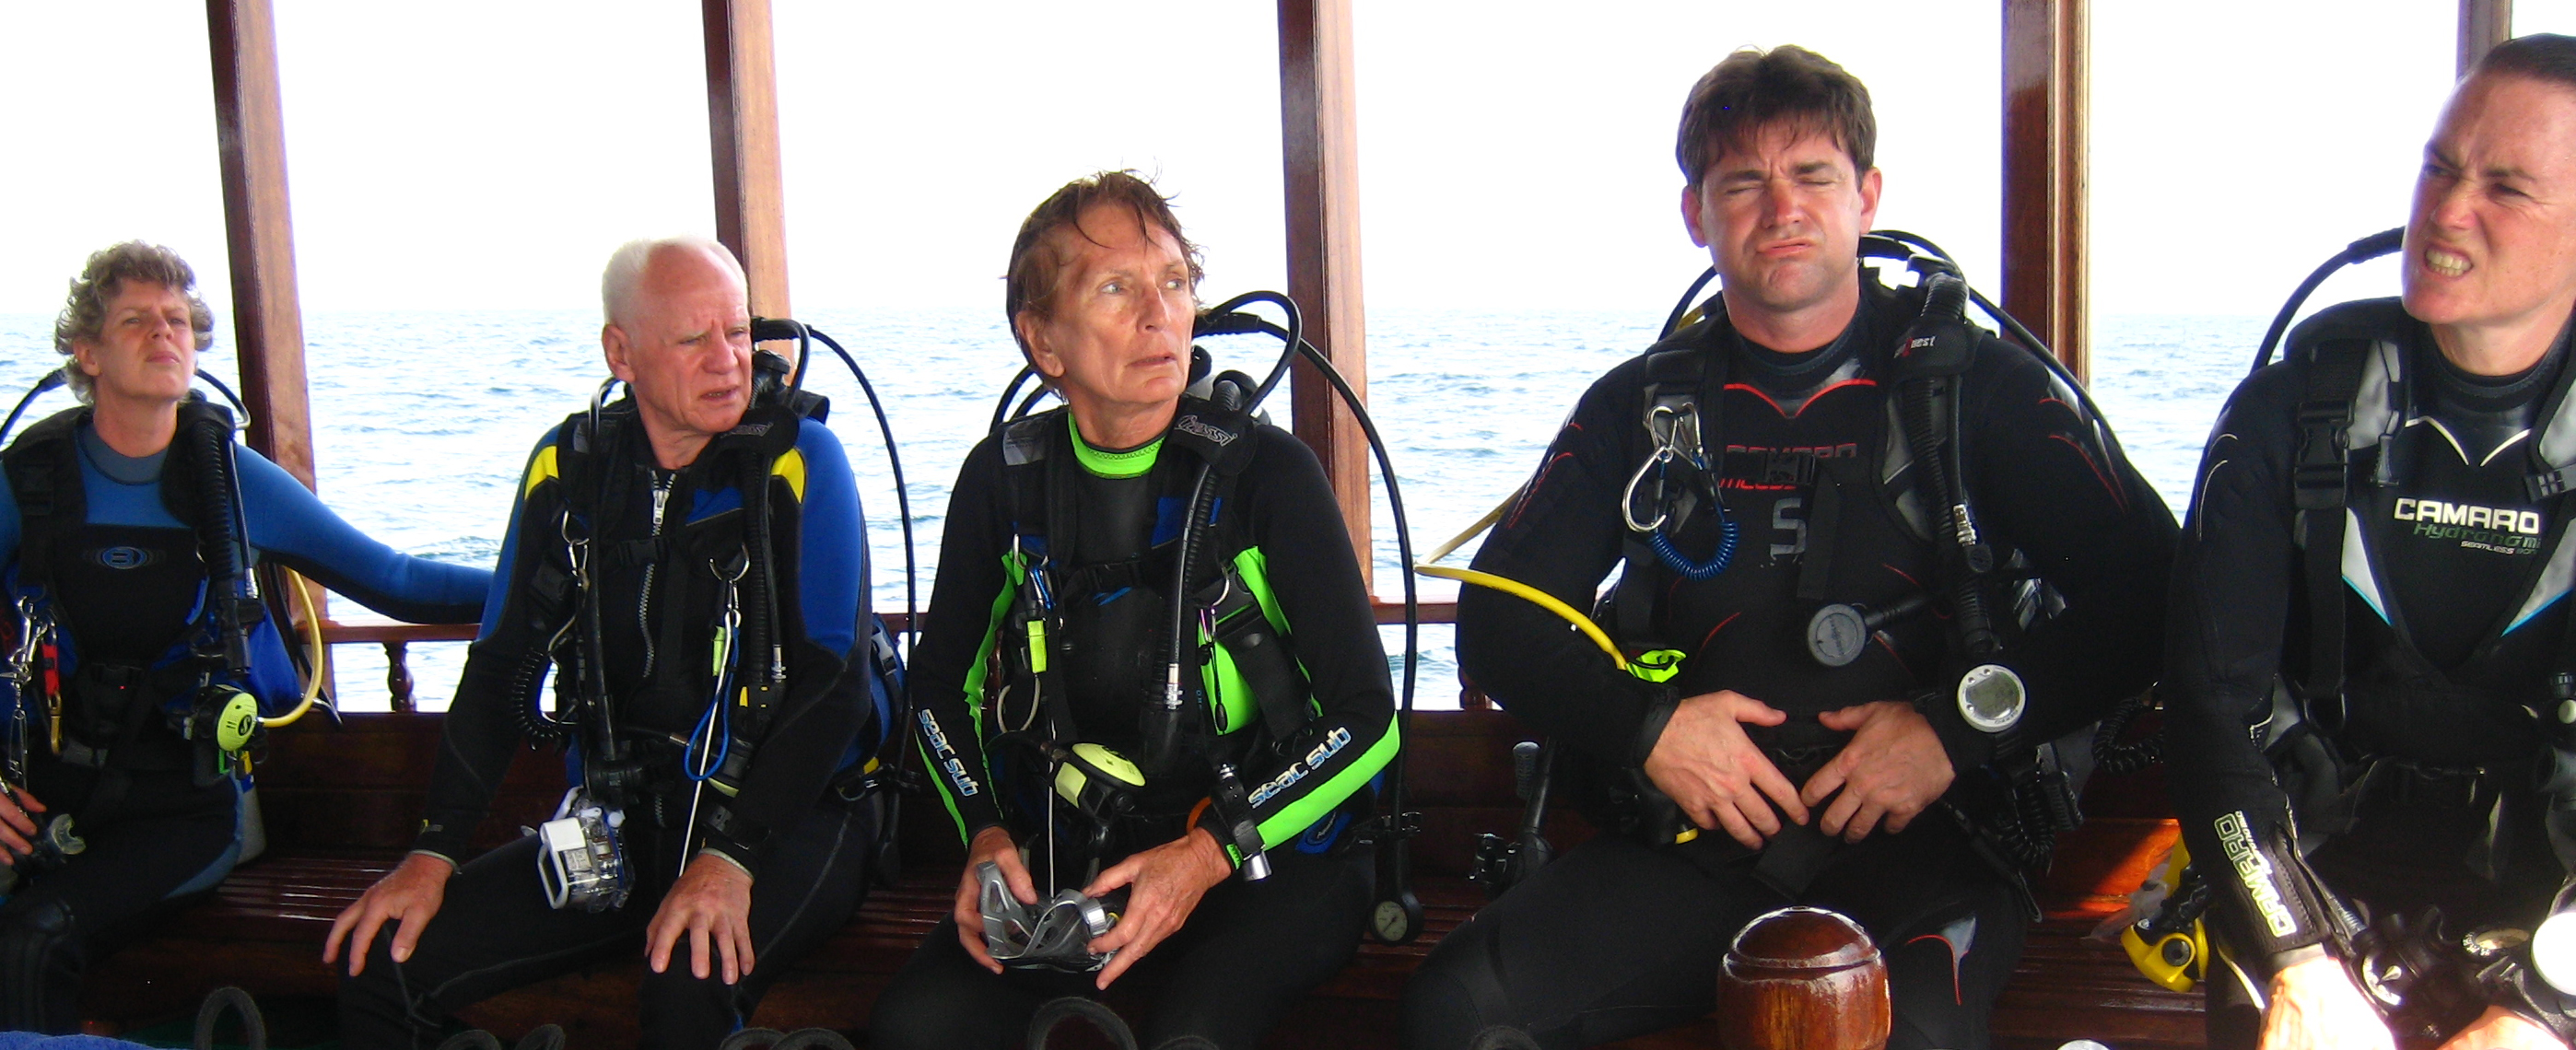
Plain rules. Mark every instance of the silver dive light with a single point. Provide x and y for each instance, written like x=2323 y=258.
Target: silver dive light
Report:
x=581 y=857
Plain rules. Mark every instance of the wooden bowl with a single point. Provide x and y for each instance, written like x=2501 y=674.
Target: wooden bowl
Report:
x=1802 y=979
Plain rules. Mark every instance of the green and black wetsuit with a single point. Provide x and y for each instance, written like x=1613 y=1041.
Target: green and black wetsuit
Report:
x=1251 y=948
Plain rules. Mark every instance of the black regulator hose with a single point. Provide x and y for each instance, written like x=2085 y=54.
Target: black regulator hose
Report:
x=2360 y=251
x=1163 y=719
x=52 y=380
x=1946 y=299
x=1002 y=408
x=210 y=444
x=1682 y=309
x=1394 y=858
x=1228 y=318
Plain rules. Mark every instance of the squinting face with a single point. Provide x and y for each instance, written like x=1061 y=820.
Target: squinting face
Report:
x=2491 y=240
x=1118 y=332
x=687 y=348
x=146 y=350
x=1782 y=217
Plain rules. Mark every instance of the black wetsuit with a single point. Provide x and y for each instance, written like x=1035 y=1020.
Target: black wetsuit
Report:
x=2453 y=593
x=1250 y=950
x=125 y=578
x=658 y=550
x=1616 y=938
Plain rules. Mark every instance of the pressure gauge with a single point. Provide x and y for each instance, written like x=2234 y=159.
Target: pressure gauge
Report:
x=1991 y=697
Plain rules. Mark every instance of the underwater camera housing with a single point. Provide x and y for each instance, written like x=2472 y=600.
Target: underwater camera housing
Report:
x=581 y=857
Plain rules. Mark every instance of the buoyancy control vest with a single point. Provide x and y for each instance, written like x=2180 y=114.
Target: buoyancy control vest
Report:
x=697 y=591
x=1087 y=612
x=1836 y=575
x=2378 y=482
x=147 y=625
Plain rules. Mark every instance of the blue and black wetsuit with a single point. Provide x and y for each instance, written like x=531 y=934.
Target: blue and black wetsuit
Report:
x=123 y=584
x=664 y=542
x=1618 y=938
x=1251 y=949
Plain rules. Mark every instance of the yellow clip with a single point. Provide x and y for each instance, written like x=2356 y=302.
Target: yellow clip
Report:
x=1037 y=647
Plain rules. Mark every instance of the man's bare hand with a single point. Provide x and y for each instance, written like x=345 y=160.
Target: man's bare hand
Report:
x=17 y=823
x=1891 y=770
x=1716 y=775
x=2502 y=1029
x=710 y=905
x=408 y=896
x=1167 y=882
x=993 y=844
x=2315 y=1006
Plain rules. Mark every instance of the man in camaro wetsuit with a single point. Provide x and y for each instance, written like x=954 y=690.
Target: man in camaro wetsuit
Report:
x=2370 y=645
x=1842 y=786
x=106 y=531
x=635 y=560
x=1066 y=527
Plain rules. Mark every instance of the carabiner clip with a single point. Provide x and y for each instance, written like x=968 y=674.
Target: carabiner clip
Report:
x=1628 y=500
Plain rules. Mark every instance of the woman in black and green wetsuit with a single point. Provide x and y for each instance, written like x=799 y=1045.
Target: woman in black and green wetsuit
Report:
x=1087 y=501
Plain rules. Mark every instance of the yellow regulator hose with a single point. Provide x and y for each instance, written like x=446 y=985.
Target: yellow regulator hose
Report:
x=1516 y=588
x=313 y=632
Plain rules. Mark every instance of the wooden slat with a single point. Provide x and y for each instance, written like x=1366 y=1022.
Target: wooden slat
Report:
x=1319 y=125
x=742 y=120
x=2045 y=171
x=2483 y=25
x=268 y=322
x=347 y=633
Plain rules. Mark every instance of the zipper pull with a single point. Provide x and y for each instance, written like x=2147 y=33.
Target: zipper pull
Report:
x=661 y=498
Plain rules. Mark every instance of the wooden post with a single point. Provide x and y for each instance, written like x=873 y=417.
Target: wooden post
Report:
x=742 y=119
x=2045 y=172
x=1319 y=125
x=268 y=318
x=268 y=322
x=2483 y=25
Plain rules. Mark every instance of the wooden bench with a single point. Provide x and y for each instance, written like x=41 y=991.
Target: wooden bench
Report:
x=340 y=803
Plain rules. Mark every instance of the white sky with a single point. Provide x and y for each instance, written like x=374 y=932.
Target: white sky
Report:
x=473 y=155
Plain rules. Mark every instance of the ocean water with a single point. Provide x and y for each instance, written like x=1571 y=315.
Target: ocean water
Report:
x=423 y=421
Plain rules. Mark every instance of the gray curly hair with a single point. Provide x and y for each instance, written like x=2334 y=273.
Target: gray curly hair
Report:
x=85 y=310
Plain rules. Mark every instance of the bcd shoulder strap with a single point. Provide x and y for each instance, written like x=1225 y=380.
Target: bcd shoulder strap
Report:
x=1685 y=380
x=44 y=476
x=2320 y=480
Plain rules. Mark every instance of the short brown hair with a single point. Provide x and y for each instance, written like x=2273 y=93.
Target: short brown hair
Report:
x=85 y=310
x=1754 y=89
x=1035 y=264
x=2546 y=57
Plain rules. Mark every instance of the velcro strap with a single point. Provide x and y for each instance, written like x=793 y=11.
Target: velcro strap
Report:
x=1103 y=578
x=2551 y=484
x=2320 y=474
x=639 y=552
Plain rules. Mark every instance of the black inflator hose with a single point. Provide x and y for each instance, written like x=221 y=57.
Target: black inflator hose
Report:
x=2360 y=251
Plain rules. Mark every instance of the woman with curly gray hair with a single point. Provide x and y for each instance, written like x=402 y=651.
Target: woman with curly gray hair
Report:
x=122 y=526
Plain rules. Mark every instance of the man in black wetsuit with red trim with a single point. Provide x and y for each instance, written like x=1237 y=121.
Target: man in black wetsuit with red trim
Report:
x=2371 y=642
x=1837 y=785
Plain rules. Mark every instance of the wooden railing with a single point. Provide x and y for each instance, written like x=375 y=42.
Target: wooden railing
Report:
x=397 y=639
